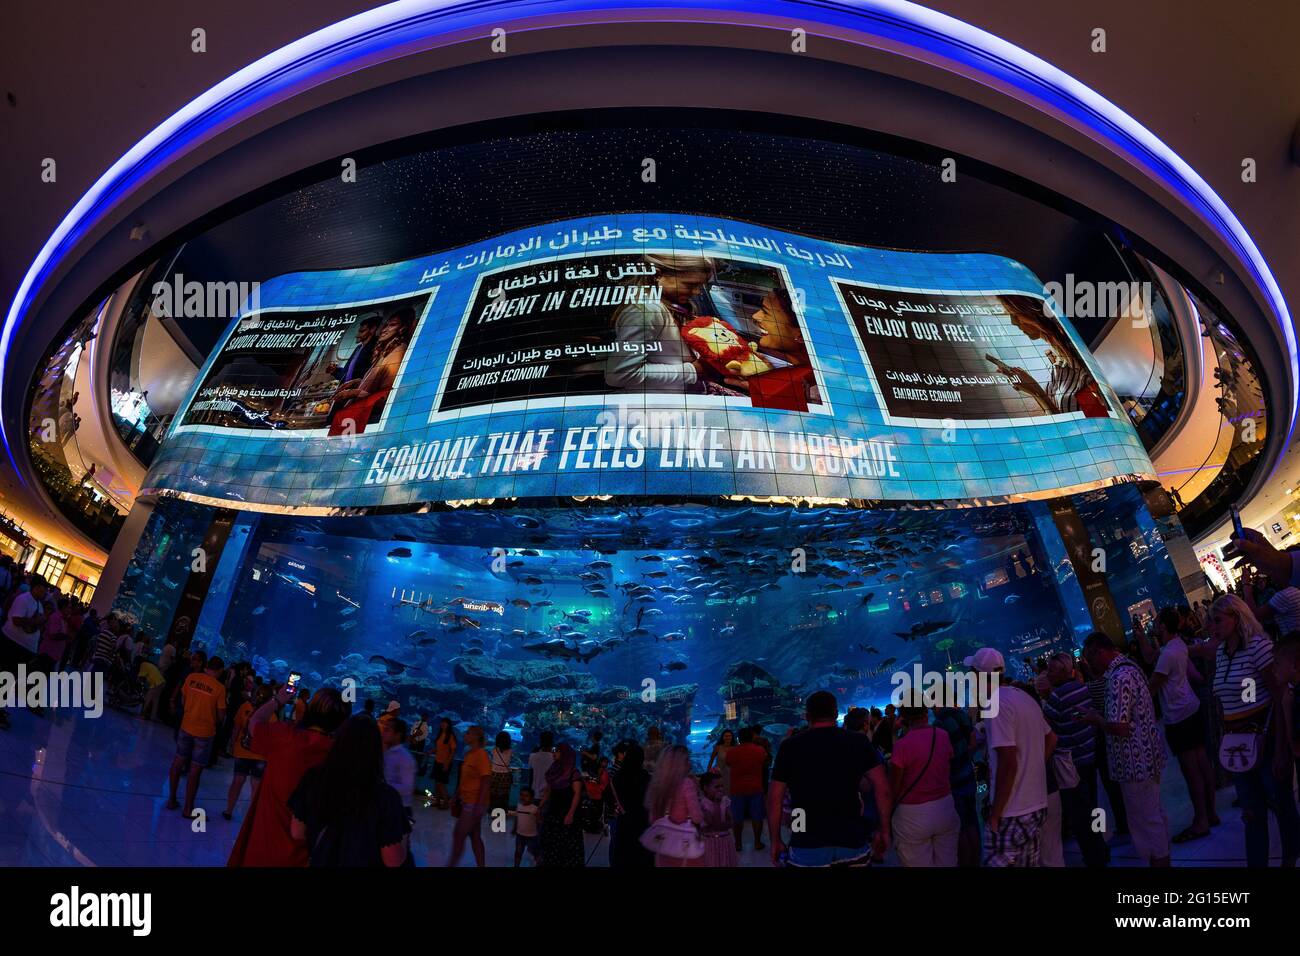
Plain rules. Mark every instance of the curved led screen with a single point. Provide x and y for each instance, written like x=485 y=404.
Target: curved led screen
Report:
x=649 y=354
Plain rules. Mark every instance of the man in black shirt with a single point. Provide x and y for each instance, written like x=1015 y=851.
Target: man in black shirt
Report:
x=883 y=735
x=822 y=770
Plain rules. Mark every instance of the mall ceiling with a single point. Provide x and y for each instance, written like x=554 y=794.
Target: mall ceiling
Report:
x=1217 y=82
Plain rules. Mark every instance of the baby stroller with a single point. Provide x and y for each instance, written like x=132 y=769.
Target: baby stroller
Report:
x=126 y=689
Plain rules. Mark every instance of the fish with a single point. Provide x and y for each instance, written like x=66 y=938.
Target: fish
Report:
x=414 y=635
x=391 y=666
x=520 y=602
x=671 y=666
x=532 y=580
x=727 y=631
x=924 y=629
x=259 y=610
x=650 y=557
x=400 y=553
x=672 y=636
x=600 y=565
x=1011 y=599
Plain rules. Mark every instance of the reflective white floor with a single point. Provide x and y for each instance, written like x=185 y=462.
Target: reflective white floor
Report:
x=80 y=792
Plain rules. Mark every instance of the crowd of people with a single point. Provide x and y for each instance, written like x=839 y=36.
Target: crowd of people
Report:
x=1078 y=753
x=1075 y=753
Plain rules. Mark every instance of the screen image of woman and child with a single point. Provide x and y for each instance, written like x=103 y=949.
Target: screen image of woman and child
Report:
x=611 y=324
x=707 y=354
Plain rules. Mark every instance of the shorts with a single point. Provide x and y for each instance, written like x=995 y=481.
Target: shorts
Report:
x=1187 y=734
x=530 y=843
x=247 y=767
x=193 y=748
x=748 y=807
x=832 y=856
x=1018 y=842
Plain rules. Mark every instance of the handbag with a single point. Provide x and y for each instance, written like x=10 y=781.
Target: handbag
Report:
x=678 y=841
x=1238 y=752
x=1067 y=774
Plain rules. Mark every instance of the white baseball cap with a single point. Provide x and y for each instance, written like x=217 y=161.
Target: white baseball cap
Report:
x=986 y=660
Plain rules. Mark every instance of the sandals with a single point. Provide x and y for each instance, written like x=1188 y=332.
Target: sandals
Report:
x=1188 y=835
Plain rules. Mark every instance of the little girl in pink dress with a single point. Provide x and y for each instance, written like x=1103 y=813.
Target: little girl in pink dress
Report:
x=719 y=845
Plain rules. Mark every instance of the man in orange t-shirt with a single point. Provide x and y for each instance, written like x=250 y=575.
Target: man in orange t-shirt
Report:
x=204 y=700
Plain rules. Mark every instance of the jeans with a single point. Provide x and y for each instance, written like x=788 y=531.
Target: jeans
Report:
x=837 y=856
x=1256 y=789
x=1077 y=806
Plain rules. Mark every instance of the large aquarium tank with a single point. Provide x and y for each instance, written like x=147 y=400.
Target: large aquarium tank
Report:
x=692 y=618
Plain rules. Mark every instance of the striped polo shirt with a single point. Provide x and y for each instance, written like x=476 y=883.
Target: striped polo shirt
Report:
x=1073 y=734
x=1232 y=672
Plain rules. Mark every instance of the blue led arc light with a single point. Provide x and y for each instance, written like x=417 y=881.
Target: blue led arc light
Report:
x=406 y=26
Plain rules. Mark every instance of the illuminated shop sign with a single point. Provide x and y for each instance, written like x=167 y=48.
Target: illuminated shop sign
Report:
x=650 y=354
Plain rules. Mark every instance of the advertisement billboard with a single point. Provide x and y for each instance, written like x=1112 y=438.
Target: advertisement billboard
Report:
x=649 y=354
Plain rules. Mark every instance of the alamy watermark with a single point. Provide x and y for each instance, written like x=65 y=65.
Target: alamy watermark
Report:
x=961 y=689
x=76 y=909
x=57 y=690
x=1086 y=299
x=196 y=300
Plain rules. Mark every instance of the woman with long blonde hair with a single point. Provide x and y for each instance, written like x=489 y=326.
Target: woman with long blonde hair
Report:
x=673 y=802
x=1255 y=748
x=1246 y=624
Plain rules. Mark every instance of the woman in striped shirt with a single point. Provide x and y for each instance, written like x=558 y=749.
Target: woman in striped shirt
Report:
x=1247 y=689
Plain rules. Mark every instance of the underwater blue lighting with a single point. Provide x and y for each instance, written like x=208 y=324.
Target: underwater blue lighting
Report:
x=408 y=26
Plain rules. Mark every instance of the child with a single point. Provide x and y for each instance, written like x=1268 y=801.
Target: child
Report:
x=596 y=787
x=525 y=814
x=719 y=847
